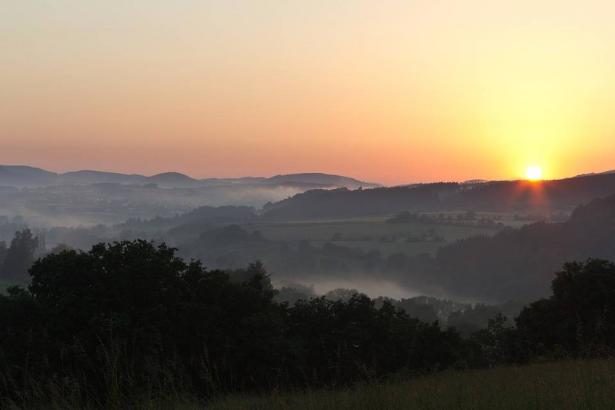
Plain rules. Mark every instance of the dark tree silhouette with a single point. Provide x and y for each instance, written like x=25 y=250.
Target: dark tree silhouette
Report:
x=20 y=256
x=132 y=318
x=579 y=317
x=3 y=251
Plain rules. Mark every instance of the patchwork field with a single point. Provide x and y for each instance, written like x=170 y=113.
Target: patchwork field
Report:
x=377 y=234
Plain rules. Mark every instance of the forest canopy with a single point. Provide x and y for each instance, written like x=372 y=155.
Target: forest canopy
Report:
x=131 y=316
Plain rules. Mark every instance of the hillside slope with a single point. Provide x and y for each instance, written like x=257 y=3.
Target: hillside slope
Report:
x=503 y=196
x=26 y=176
x=518 y=263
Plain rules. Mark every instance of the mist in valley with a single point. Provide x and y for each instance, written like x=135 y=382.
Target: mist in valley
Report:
x=472 y=243
x=307 y=205
x=361 y=283
x=461 y=260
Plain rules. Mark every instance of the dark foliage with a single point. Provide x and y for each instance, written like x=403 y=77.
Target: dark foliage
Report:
x=3 y=251
x=17 y=259
x=579 y=318
x=507 y=196
x=133 y=317
x=519 y=263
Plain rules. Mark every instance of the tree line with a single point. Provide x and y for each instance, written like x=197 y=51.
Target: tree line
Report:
x=131 y=318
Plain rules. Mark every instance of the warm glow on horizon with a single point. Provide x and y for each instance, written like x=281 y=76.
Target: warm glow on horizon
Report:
x=533 y=173
x=386 y=91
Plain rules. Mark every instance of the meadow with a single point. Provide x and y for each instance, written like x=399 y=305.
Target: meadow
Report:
x=565 y=385
x=558 y=385
x=376 y=233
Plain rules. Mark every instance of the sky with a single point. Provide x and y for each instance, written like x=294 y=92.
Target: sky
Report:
x=387 y=91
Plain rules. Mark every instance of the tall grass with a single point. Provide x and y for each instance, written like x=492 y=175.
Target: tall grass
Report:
x=110 y=384
x=558 y=386
x=52 y=396
x=567 y=385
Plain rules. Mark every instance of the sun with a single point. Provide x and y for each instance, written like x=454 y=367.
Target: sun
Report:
x=533 y=173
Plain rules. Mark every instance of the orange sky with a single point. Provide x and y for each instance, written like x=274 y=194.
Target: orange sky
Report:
x=389 y=91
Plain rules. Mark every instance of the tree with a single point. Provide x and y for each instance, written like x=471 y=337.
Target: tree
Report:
x=131 y=318
x=580 y=315
x=20 y=256
x=155 y=315
x=3 y=251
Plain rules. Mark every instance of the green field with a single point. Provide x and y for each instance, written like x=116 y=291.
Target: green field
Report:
x=557 y=386
x=370 y=234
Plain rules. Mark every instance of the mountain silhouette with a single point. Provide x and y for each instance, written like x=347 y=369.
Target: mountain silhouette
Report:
x=26 y=176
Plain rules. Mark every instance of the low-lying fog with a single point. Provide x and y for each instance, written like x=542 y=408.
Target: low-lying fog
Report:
x=371 y=287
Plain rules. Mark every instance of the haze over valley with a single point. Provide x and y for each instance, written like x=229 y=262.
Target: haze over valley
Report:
x=327 y=231
x=307 y=205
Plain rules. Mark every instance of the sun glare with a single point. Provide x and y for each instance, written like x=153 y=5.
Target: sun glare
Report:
x=533 y=173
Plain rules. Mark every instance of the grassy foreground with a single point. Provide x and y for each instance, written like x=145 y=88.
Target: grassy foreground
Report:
x=563 y=385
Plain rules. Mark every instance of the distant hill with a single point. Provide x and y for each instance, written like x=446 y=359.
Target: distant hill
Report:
x=194 y=220
x=597 y=173
x=169 y=179
x=25 y=176
x=345 y=203
x=233 y=181
x=505 y=196
x=21 y=175
x=518 y=264
x=321 y=179
x=96 y=177
x=174 y=179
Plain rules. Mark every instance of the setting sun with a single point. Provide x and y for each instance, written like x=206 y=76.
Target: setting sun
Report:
x=533 y=173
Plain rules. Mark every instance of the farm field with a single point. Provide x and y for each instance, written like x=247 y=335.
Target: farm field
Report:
x=557 y=386
x=377 y=234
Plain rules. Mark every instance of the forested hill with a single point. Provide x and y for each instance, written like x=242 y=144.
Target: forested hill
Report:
x=506 y=196
x=519 y=264
x=345 y=203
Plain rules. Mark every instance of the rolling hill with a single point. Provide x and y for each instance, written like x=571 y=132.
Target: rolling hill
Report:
x=517 y=264
x=26 y=176
x=502 y=196
x=22 y=175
